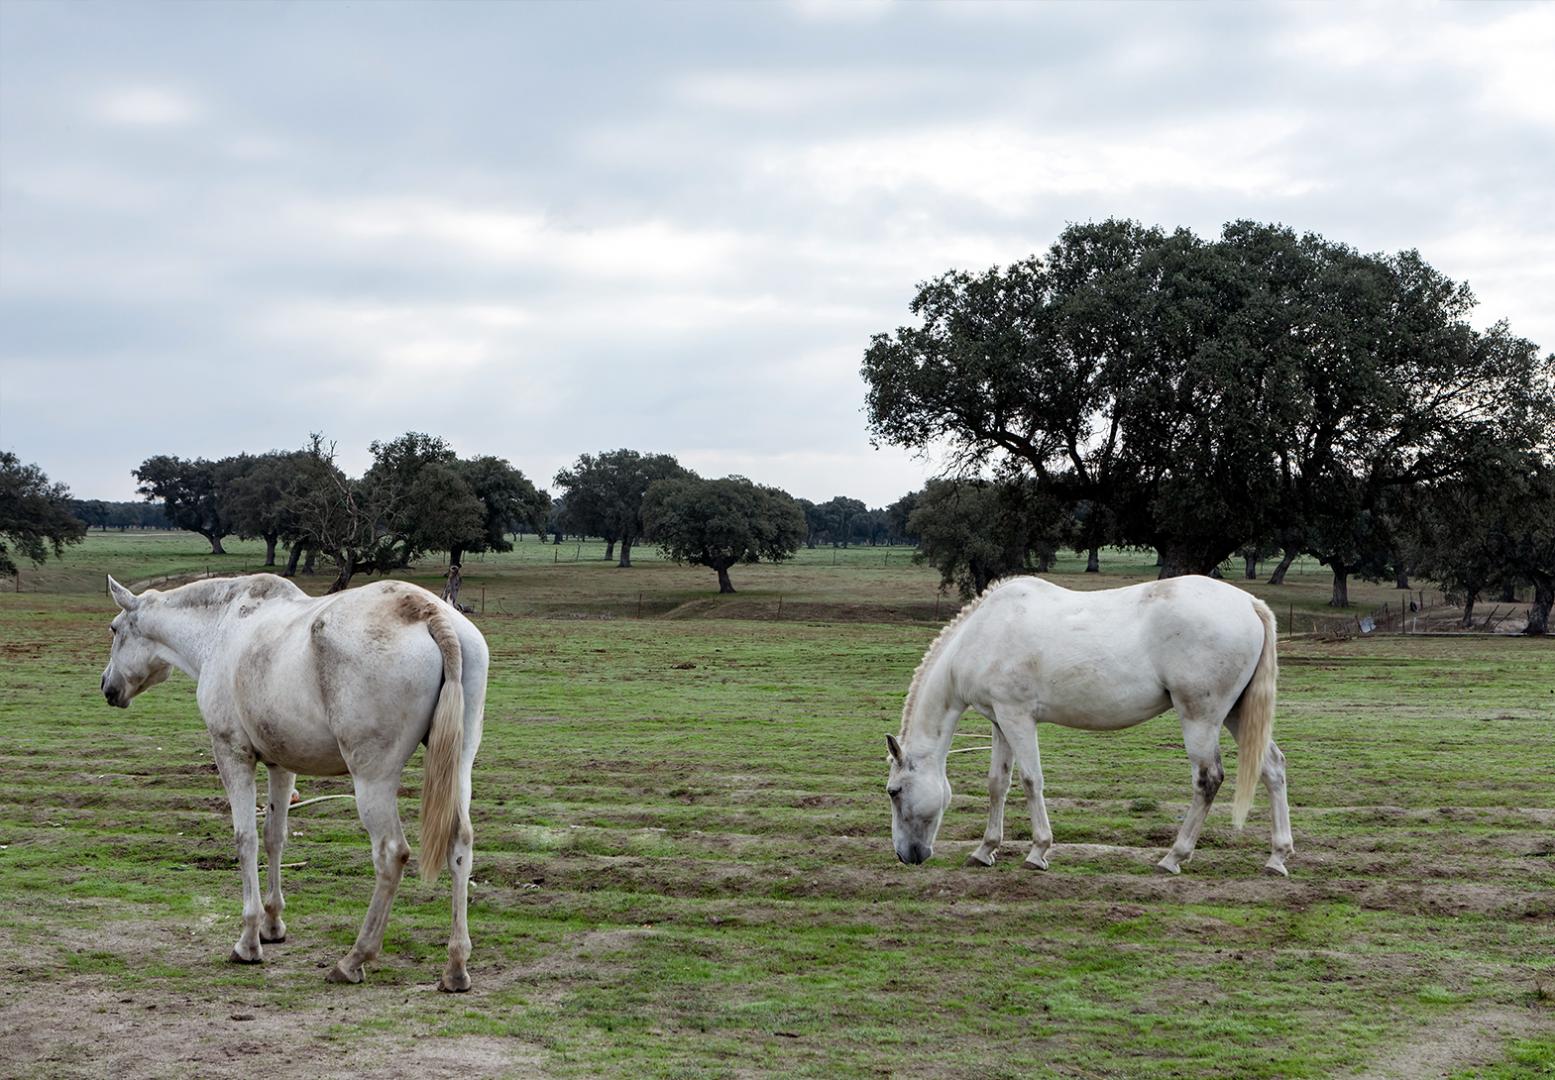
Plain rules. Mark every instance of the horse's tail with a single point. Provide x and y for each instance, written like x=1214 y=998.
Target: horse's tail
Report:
x=442 y=806
x=1255 y=718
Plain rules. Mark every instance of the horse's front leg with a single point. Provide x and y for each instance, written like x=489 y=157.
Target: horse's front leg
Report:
x=1020 y=731
x=998 y=793
x=237 y=776
x=376 y=805
x=1202 y=740
x=273 y=929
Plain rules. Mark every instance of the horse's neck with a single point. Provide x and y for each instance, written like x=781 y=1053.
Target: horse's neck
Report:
x=185 y=634
x=932 y=724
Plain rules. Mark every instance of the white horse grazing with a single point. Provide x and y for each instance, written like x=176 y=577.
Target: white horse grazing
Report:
x=344 y=683
x=1028 y=651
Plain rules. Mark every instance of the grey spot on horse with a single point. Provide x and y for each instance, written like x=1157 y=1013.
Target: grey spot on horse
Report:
x=318 y=625
x=245 y=611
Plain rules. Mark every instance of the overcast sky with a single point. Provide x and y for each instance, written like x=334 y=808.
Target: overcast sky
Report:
x=539 y=230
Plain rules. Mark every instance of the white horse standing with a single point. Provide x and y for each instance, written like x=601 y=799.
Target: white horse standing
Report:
x=347 y=683
x=1028 y=651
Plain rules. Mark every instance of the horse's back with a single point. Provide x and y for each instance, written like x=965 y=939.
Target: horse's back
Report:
x=309 y=676
x=1107 y=658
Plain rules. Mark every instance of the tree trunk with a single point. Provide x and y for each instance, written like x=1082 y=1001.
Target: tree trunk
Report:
x=1202 y=557
x=1543 y=597
x=1509 y=592
x=347 y=566
x=626 y=553
x=1341 y=594
x=215 y=539
x=1044 y=562
x=1252 y=568
x=270 y=542
x=313 y=554
x=456 y=556
x=1401 y=578
x=610 y=548
x=291 y=560
x=724 y=584
x=1278 y=577
x=1468 y=611
x=1093 y=561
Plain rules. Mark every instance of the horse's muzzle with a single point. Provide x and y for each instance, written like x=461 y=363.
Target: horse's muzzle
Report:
x=914 y=854
x=115 y=697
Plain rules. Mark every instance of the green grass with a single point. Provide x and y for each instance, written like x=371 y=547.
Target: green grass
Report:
x=683 y=862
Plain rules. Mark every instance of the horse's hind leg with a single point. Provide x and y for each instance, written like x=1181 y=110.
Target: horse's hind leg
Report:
x=272 y=929
x=998 y=792
x=455 y=978
x=1020 y=731
x=1202 y=739
x=376 y=806
x=1281 y=844
x=237 y=776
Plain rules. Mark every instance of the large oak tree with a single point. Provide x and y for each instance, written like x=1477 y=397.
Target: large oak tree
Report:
x=721 y=523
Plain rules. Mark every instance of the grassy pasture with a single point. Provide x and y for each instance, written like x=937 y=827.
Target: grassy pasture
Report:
x=683 y=865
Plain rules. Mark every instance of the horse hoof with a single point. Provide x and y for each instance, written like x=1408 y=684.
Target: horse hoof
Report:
x=239 y=958
x=263 y=940
x=1168 y=868
x=1034 y=864
x=1275 y=869
x=337 y=975
x=460 y=984
x=975 y=859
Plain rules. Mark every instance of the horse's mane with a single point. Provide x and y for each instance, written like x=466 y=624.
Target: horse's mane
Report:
x=218 y=592
x=939 y=642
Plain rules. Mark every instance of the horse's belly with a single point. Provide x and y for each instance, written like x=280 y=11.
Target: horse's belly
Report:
x=1103 y=706
x=307 y=748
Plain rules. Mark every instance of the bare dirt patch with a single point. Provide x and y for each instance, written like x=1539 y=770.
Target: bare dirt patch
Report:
x=74 y=1025
x=1462 y=1041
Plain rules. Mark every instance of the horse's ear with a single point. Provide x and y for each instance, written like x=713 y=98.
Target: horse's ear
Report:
x=122 y=596
x=895 y=748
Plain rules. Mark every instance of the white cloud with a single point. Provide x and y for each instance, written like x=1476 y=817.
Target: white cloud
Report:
x=842 y=11
x=650 y=249
x=798 y=90
x=1009 y=169
x=148 y=107
x=1510 y=60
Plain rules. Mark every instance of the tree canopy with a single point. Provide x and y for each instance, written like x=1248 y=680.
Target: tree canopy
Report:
x=719 y=523
x=195 y=494
x=1200 y=395
x=975 y=532
x=35 y=514
x=604 y=494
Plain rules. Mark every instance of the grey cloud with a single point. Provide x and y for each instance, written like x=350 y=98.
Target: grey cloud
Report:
x=544 y=229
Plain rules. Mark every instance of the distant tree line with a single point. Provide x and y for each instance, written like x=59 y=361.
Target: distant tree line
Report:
x=417 y=497
x=1263 y=394
x=103 y=514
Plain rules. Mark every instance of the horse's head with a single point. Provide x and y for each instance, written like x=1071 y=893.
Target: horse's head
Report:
x=919 y=792
x=135 y=662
